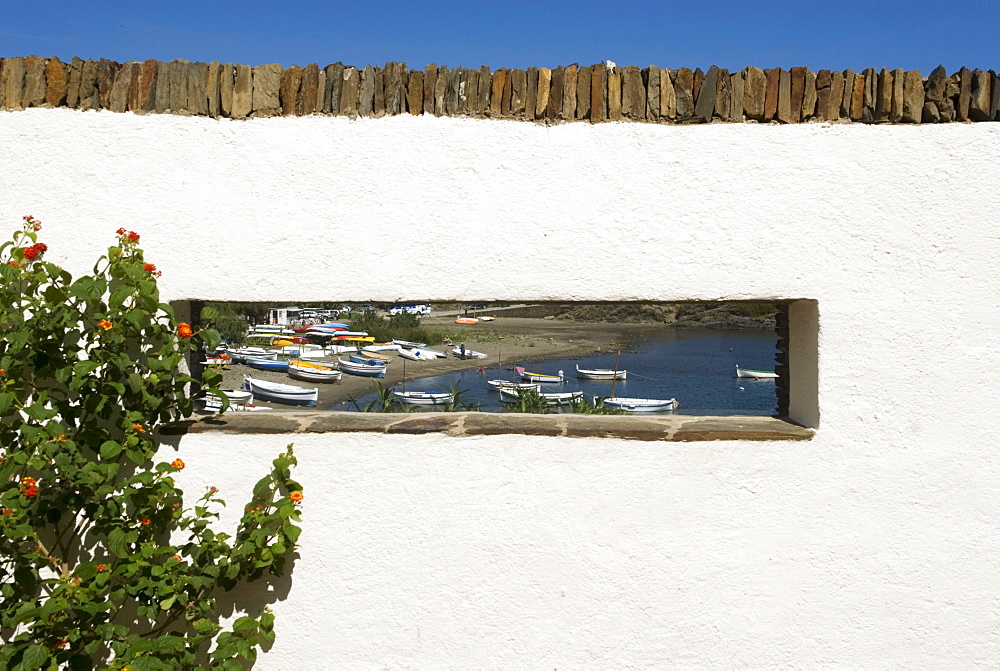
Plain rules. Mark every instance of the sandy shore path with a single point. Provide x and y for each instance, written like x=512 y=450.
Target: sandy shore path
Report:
x=506 y=341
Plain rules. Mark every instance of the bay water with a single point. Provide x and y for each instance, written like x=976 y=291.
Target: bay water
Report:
x=695 y=366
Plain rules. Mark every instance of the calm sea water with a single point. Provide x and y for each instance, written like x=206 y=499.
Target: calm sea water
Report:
x=695 y=366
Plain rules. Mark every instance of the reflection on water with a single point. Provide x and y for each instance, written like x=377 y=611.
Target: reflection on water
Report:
x=695 y=366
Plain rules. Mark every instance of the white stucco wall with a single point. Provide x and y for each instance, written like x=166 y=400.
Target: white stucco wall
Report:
x=875 y=544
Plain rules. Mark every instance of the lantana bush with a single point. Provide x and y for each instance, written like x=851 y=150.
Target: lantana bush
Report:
x=104 y=563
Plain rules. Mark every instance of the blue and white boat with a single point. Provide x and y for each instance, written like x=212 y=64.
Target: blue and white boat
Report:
x=267 y=364
x=280 y=393
x=364 y=370
x=369 y=358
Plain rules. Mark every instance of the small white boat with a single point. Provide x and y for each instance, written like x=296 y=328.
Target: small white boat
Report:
x=539 y=377
x=599 y=373
x=755 y=374
x=408 y=344
x=382 y=347
x=237 y=398
x=640 y=404
x=507 y=384
x=564 y=397
x=218 y=360
x=418 y=354
x=462 y=353
x=329 y=351
x=423 y=397
x=312 y=372
x=362 y=369
x=239 y=354
x=280 y=393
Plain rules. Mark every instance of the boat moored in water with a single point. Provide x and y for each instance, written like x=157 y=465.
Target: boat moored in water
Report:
x=639 y=404
x=423 y=397
x=539 y=377
x=599 y=373
x=564 y=397
x=755 y=374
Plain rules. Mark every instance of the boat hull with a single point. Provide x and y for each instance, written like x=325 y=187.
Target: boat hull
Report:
x=280 y=393
x=600 y=374
x=361 y=369
x=267 y=364
x=640 y=404
x=423 y=397
x=561 y=398
x=756 y=374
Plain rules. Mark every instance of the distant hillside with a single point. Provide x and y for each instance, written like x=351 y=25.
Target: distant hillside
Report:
x=681 y=315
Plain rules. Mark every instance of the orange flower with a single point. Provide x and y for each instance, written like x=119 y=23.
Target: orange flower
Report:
x=8 y=511
x=38 y=248
x=105 y=324
x=59 y=643
x=138 y=427
x=184 y=330
x=145 y=520
x=177 y=463
x=15 y=264
x=102 y=567
x=178 y=558
x=2 y=371
x=28 y=487
x=296 y=496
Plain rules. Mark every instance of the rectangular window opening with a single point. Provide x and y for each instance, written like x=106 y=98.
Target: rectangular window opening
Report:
x=612 y=362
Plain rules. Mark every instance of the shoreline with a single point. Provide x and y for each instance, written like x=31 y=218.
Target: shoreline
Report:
x=507 y=341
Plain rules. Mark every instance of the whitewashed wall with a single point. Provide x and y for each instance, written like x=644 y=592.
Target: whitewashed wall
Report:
x=875 y=544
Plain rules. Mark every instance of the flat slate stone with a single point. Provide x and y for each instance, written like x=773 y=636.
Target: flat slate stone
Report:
x=242 y=92
x=556 y=84
x=366 y=92
x=995 y=98
x=883 y=95
x=55 y=82
x=614 y=93
x=89 y=93
x=496 y=91
x=705 y=105
x=798 y=77
x=196 y=79
x=913 y=97
x=668 y=95
x=544 y=88
x=118 y=100
x=584 y=81
x=518 y=93
x=598 y=93
x=415 y=92
x=453 y=104
x=485 y=88
x=34 y=81
x=145 y=92
x=227 y=82
x=212 y=91
x=754 y=93
x=858 y=98
x=349 y=91
x=964 y=77
x=771 y=93
x=836 y=96
x=395 y=87
x=684 y=93
x=568 y=111
x=845 y=104
x=651 y=77
x=697 y=79
x=441 y=90
x=723 y=96
x=784 y=113
x=896 y=108
x=13 y=82
x=531 y=92
x=107 y=70
x=430 y=83
x=979 y=96
x=930 y=113
x=633 y=94
x=809 y=96
x=265 y=91
x=738 y=86
x=310 y=98
x=378 y=101
x=334 y=83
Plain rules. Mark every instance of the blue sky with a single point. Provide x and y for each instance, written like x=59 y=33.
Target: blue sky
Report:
x=834 y=34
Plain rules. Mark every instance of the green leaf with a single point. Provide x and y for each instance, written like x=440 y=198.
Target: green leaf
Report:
x=6 y=400
x=82 y=368
x=110 y=449
x=35 y=657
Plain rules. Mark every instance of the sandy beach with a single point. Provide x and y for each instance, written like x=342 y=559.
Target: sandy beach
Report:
x=508 y=341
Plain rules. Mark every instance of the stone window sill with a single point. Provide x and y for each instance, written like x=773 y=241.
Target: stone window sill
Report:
x=677 y=428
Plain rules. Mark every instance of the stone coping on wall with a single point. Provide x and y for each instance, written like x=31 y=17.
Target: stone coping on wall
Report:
x=675 y=428
x=593 y=93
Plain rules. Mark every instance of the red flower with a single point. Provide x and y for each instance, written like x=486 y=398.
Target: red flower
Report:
x=145 y=520
x=8 y=511
x=120 y=231
x=178 y=558
x=59 y=643
x=138 y=427
x=28 y=487
x=102 y=567
x=38 y=248
x=184 y=330
x=133 y=236
x=296 y=496
x=13 y=263
x=149 y=268
x=177 y=463
x=105 y=324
